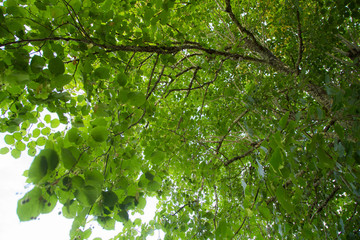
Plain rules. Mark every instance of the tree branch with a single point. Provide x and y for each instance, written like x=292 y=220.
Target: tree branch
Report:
x=256 y=145
x=156 y=83
x=252 y=206
x=144 y=48
x=229 y=129
x=301 y=45
x=255 y=46
x=321 y=207
x=152 y=74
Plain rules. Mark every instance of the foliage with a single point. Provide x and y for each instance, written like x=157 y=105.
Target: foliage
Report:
x=241 y=117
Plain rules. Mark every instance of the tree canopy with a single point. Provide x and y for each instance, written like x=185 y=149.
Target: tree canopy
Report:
x=240 y=117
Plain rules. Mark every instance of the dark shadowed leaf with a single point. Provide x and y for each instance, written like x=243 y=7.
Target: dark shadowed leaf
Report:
x=56 y=66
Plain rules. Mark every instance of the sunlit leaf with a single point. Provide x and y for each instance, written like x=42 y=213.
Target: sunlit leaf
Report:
x=4 y=150
x=28 y=207
x=54 y=123
x=136 y=98
x=9 y=139
x=16 y=153
x=153 y=186
x=99 y=133
x=87 y=195
x=67 y=158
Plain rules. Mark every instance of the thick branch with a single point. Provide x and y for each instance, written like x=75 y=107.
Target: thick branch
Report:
x=145 y=48
x=255 y=46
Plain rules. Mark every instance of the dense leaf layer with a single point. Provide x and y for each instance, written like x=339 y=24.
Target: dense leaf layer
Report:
x=241 y=117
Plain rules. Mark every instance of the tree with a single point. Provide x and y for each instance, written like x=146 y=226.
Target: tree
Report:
x=241 y=117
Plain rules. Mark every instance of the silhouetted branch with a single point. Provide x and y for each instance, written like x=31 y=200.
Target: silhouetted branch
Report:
x=255 y=145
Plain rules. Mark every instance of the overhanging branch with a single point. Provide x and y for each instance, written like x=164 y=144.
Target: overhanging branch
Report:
x=140 y=49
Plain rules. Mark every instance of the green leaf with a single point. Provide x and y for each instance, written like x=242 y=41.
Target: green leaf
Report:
x=136 y=98
x=9 y=139
x=28 y=207
x=20 y=146
x=283 y=120
x=124 y=216
x=36 y=132
x=149 y=175
x=78 y=182
x=55 y=123
x=37 y=64
x=70 y=209
x=41 y=141
x=74 y=136
x=16 y=153
x=121 y=79
x=284 y=200
x=45 y=162
x=4 y=150
x=158 y=157
x=99 y=134
x=339 y=131
x=265 y=212
x=56 y=66
x=67 y=158
x=94 y=178
x=47 y=203
x=17 y=136
x=61 y=80
x=142 y=203
x=325 y=161
x=222 y=229
x=32 y=152
x=87 y=195
x=47 y=118
x=45 y=131
x=106 y=222
x=102 y=73
x=38 y=169
x=109 y=198
x=153 y=186
x=276 y=160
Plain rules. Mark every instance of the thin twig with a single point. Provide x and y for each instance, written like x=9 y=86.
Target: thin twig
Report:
x=156 y=83
x=152 y=73
x=216 y=206
x=321 y=207
x=255 y=145
x=301 y=45
x=229 y=129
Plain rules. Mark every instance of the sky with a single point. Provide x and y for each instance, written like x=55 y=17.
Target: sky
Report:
x=49 y=226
